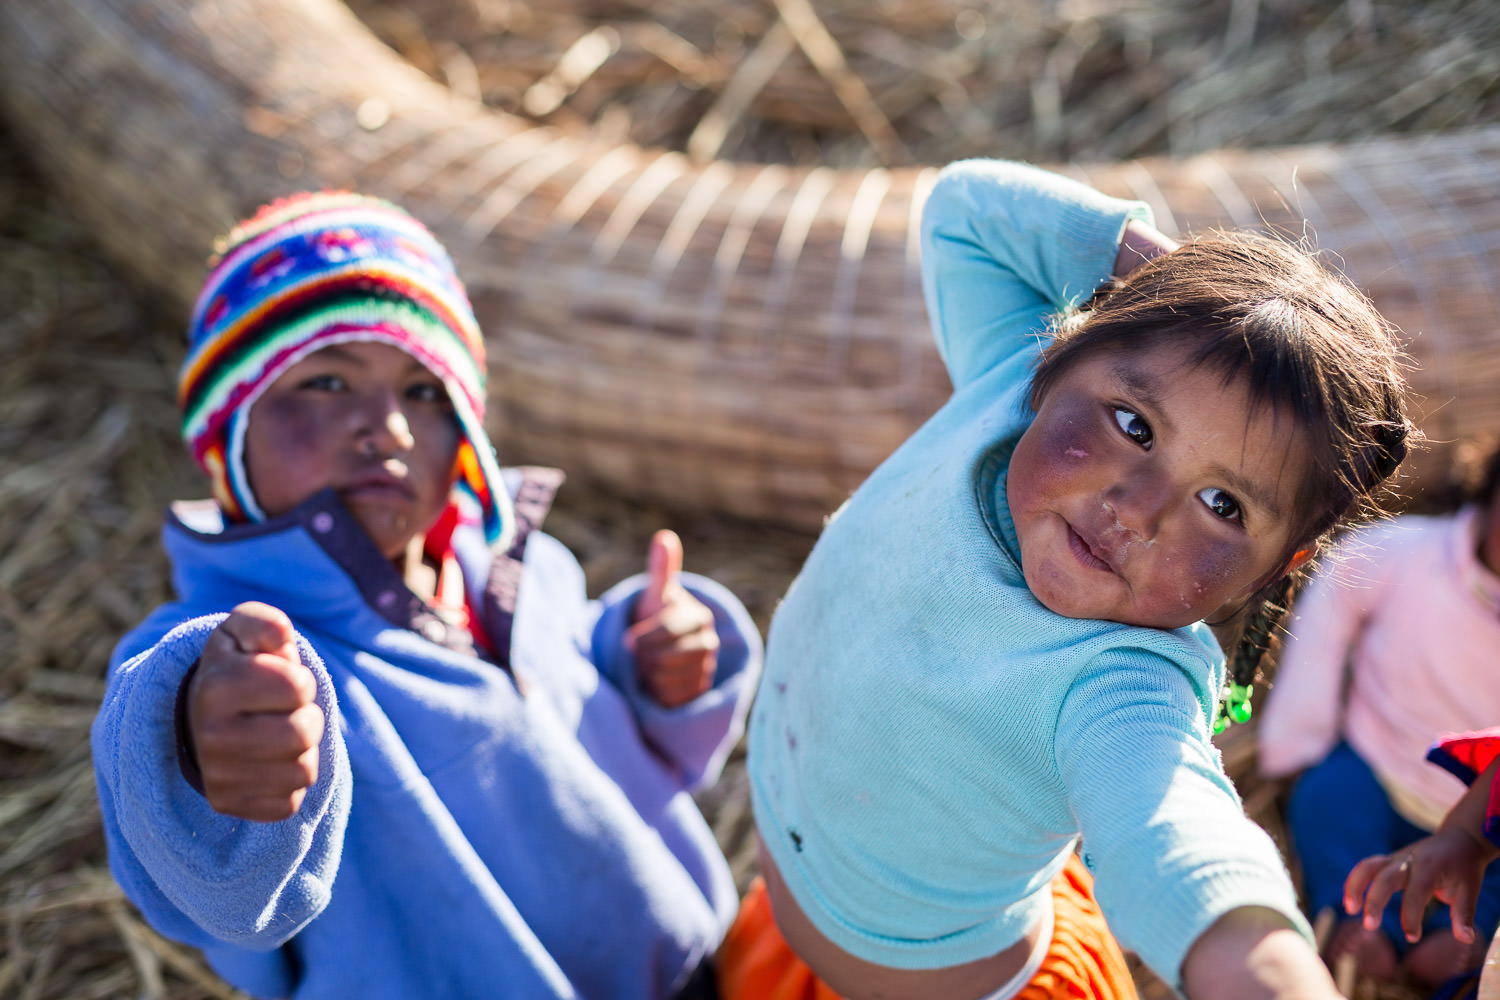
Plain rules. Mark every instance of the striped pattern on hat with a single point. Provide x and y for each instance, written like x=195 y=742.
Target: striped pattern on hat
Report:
x=318 y=269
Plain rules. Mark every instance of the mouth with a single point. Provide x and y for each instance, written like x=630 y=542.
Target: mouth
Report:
x=380 y=483
x=1090 y=554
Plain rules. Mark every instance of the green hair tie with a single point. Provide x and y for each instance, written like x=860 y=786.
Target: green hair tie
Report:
x=1234 y=707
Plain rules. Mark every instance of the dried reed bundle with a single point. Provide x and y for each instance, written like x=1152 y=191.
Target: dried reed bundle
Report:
x=723 y=336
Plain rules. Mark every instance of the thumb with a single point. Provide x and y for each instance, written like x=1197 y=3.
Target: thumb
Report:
x=663 y=567
x=259 y=628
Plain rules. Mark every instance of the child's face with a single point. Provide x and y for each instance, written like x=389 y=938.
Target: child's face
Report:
x=366 y=419
x=1147 y=491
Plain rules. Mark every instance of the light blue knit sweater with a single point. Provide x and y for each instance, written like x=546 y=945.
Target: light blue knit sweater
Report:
x=930 y=741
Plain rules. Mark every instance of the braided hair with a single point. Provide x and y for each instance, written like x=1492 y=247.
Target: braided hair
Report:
x=1307 y=343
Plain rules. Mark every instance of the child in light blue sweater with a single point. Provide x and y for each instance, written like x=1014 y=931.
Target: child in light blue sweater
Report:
x=996 y=654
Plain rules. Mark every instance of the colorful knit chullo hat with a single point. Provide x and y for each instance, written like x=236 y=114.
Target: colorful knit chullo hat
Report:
x=318 y=269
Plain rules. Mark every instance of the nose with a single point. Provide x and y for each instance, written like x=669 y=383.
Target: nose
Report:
x=383 y=428
x=1138 y=503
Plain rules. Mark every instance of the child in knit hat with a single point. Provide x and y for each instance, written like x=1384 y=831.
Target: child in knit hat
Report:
x=382 y=744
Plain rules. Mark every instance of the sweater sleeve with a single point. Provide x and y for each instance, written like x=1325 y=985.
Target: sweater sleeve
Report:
x=695 y=738
x=1163 y=828
x=198 y=875
x=1303 y=716
x=1466 y=756
x=1005 y=246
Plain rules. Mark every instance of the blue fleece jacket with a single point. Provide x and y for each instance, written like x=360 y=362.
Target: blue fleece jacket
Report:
x=462 y=839
x=931 y=741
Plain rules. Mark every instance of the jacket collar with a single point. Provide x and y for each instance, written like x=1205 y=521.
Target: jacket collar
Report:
x=316 y=558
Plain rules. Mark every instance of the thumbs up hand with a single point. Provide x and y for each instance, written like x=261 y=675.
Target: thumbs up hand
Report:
x=254 y=726
x=676 y=647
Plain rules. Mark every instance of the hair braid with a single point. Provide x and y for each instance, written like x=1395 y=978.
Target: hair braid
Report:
x=1258 y=636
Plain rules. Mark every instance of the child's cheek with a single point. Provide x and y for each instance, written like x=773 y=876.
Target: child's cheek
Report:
x=285 y=446
x=1068 y=440
x=1218 y=568
x=287 y=431
x=1052 y=463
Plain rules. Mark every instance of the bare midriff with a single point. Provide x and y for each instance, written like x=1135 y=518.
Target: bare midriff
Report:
x=855 y=979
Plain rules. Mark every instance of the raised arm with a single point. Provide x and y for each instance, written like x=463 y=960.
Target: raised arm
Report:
x=1006 y=246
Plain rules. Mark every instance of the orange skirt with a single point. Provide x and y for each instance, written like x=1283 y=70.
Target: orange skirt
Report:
x=1083 y=961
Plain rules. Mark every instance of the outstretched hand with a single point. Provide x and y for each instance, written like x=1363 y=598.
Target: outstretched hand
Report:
x=676 y=647
x=253 y=721
x=1449 y=865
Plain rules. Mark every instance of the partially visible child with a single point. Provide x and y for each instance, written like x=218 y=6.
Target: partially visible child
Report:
x=382 y=745
x=1448 y=865
x=1393 y=642
x=996 y=654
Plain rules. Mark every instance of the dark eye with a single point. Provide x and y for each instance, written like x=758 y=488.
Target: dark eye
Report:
x=428 y=392
x=323 y=383
x=1221 y=503
x=1134 y=426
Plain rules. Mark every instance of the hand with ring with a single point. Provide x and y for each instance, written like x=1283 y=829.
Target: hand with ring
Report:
x=1448 y=865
